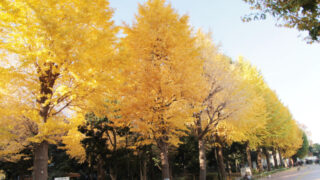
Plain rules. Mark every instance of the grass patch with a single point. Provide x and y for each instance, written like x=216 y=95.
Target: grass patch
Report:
x=267 y=173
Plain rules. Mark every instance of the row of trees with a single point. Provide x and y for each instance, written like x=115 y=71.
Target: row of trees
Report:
x=67 y=79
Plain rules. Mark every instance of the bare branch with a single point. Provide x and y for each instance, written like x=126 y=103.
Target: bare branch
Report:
x=61 y=109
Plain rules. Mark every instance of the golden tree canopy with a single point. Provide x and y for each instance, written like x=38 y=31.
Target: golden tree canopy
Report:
x=56 y=56
x=164 y=73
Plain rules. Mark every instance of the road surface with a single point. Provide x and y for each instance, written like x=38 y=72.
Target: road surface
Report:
x=307 y=172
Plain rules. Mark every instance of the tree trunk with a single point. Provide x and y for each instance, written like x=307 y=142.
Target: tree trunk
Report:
x=202 y=160
x=47 y=78
x=274 y=154
x=113 y=174
x=259 y=160
x=151 y=170
x=268 y=158
x=143 y=165
x=236 y=165
x=170 y=172
x=100 y=170
x=228 y=167
x=91 y=177
x=164 y=161
x=291 y=162
x=221 y=165
x=280 y=157
x=185 y=172
x=202 y=150
x=143 y=168
x=90 y=172
x=248 y=156
x=40 y=163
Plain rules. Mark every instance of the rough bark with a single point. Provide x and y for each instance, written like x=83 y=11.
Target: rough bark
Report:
x=164 y=161
x=221 y=165
x=21 y=177
x=128 y=164
x=185 y=171
x=40 y=163
x=280 y=157
x=237 y=165
x=248 y=156
x=228 y=167
x=150 y=169
x=143 y=168
x=101 y=172
x=259 y=160
x=113 y=174
x=202 y=160
x=170 y=171
x=274 y=154
x=47 y=78
x=202 y=150
x=268 y=158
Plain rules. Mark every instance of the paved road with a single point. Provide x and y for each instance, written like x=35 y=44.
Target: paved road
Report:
x=307 y=172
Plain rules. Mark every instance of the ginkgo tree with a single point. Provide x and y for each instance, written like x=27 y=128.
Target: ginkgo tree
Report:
x=58 y=62
x=289 y=137
x=253 y=124
x=224 y=95
x=12 y=133
x=279 y=126
x=292 y=141
x=276 y=125
x=163 y=76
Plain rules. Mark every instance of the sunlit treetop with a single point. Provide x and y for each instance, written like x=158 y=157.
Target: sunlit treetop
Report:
x=58 y=59
x=252 y=123
x=163 y=74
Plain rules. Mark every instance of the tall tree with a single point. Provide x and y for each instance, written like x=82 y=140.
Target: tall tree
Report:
x=253 y=124
x=304 y=149
x=58 y=57
x=290 y=139
x=163 y=76
x=276 y=123
x=223 y=95
x=282 y=130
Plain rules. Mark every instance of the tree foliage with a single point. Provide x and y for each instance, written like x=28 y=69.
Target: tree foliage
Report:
x=56 y=56
x=108 y=102
x=304 y=149
x=163 y=72
x=163 y=75
x=315 y=149
x=301 y=14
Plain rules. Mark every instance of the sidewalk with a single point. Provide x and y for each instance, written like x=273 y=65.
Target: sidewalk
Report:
x=273 y=173
x=288 y=171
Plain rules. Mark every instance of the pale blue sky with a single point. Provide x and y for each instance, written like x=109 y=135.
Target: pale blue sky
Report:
x=290 y=65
